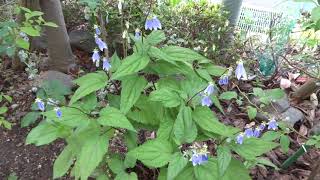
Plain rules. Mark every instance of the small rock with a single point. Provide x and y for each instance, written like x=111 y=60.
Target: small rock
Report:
x=83 y=40
x=65 y=79
x=315 y=130
x=14 y=106
x=292 y=116
x=278 y=106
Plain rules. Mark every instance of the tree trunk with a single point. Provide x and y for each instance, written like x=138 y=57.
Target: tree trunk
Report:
x=61 y=57
x=234 y=9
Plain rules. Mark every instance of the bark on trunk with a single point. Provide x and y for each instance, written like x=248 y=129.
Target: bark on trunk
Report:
x=61 y=57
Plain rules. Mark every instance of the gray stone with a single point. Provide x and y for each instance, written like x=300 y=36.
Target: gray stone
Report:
x=82 y=40
x=315 y=130
x=278 y=106
x=65 y=79
x=292 y=116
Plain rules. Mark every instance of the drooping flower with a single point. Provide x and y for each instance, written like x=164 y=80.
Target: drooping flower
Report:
x=224 y=80
x=137 y=34
x=102 y=45
x=40 y=104
x=152 y=23
x=248 y=132
x=240 y=71
x=273 y=124
x=97 y=29
x=199 y=158
x=206 y=101
x=58 y=112
x=24 y=36
x=262 y=126
x=209 y=89
x=95 y=55
x=257 y=132
x=106 y=65
x=239 y=138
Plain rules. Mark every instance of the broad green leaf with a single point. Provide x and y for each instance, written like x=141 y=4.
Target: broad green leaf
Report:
x=166 y=129
x=216 y=70
x=22 y=43
x=284 y=143
x=176 y=165
x=315 y=14
x=44 y=133
x=92 y=154
x=208 y=121
x=113 y=117
x=146 y=111
x=30 y=31
x=209 y=170
x=266 y=162
x=130 y=65
x=131 y=90
x=50 y=24
x=228 y=95
x=3 y=109
x=253 y=147
x=116 y=164
x=186 y=174
x=154 y=153
x=131 y=139
x=30 y=118
x=216 y=103
x=157 y=53
x=72 y=117
x=224 y=159
x=88 y=103
x=155 y=37
x=163 y=174
x=63 y=162
x=115 y=62
x=252 y=112
x=203 y=73
x=166 y=96
x=56 y=89
x=238 y=170
x=89 y=83
x=126 y=176
x=271 y=135
x=185 y=130
x=177 y=53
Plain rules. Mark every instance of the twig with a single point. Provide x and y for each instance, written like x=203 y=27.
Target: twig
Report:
x=304 y=71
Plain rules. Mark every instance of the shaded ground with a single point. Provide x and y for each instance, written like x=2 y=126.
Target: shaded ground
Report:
x=27 y=162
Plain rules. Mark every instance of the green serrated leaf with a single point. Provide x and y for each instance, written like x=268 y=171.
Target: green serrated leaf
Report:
x=131 y=90
x=216 y=70
x=166 y=96
x=92 y=154
x=185 y=130
x=44 y=133
x=252 y=112
x=176 y=165
x=208 y=121
x=115 y=62
x=113 y=117
x=228 y=95
x=3 y=109
x=130 y=65
x=22 y=43
x=89 y=83
x=126 y=176
x=224 y=159
x=30 y=118
x=63 y=162
x=116 y=164
x=155 y=37
x=72 y=117
x=252 y=148
x=216 y=102
x=30 y=31
x=177 y=53
x=154 y=153
x=284 y=143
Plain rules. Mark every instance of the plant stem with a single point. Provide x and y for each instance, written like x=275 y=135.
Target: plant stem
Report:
x=295 y=156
